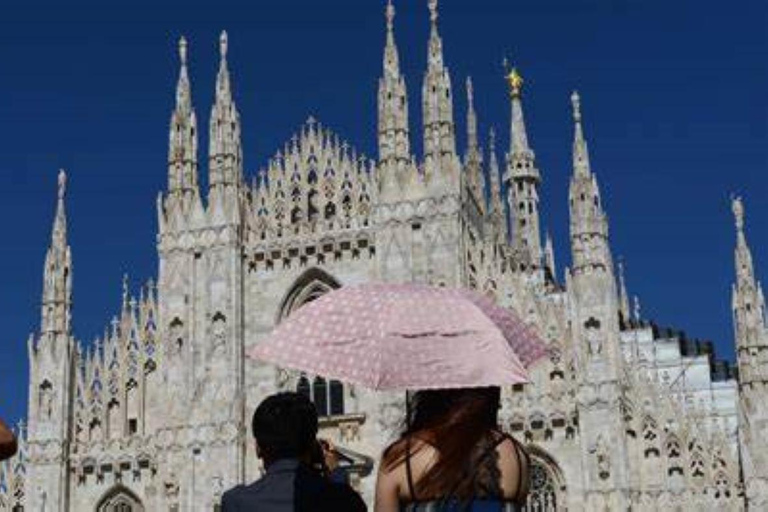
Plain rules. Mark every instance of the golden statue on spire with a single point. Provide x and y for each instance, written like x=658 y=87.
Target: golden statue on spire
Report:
x=514 y=78
x=515 y=81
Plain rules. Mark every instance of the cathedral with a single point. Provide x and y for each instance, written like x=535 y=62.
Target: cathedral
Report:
x=624 y=414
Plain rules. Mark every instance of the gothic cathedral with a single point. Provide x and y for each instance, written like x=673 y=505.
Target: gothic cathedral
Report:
x=154 y=415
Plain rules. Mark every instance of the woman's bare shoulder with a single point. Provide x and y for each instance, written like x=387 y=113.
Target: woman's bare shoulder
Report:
x=513 y=465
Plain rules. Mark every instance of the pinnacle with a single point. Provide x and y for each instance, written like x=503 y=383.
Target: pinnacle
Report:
x=223 y=44
x=183 y=50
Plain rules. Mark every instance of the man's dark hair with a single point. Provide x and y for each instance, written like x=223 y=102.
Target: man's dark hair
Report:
x=285 y=426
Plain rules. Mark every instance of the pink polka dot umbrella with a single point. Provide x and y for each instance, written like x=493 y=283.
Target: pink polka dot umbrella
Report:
x=405 y=336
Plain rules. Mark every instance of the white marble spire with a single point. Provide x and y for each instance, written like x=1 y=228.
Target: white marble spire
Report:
x=580 y=150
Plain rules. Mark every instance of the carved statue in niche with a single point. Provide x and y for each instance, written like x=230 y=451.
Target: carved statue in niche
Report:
x=46 y=400
x=602 y=458
x=282 y=379
x=390 y=414
x=593 y=337
x=171 y=487
x=43 y=500
x=95 y=434
x=217 y=486
x=176 y=337
x=218 y=336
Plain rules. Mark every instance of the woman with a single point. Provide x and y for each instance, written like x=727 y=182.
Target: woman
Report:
x=453 y=457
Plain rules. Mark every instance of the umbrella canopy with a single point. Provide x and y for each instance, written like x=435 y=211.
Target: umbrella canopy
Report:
x=405 y=336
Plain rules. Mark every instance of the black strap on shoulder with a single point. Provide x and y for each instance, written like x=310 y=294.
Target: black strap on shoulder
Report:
x=471 y=471
x=487 y=453
x=408 y=470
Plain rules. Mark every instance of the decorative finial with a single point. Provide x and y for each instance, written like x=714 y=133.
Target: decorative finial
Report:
x=223 y=43
x=515 y=81
x=433 y=11
x=62 y=183
x=125 y=290
x=470 y=90
x=738 y=212
x=576 y=102
x=390 y=16
x=183 y=50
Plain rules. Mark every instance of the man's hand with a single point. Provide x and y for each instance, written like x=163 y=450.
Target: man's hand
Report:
x=330 y=455
x=8 y=443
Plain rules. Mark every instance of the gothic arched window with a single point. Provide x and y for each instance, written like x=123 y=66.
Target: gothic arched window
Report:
x=336 y=398
x=320 y=396
x=328 y=396
x=120 y=499
x=303 y=387
x=546 y=484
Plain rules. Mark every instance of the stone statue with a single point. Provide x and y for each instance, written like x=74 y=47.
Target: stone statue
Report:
x=46 y=400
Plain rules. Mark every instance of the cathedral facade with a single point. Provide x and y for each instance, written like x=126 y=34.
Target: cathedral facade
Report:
x=154 y=416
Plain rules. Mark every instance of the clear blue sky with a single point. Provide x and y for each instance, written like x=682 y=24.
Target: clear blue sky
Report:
x=674 y=97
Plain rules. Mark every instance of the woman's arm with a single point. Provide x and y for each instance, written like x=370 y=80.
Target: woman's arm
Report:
x=8 y=444
x=387 y=491
x=514 y=464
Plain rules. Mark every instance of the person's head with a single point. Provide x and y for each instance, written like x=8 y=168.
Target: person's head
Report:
x=472 y=408
x=285 y=426
x=453 y=421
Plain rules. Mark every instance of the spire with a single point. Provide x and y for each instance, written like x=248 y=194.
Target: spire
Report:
x=391 y=55
x=748 y=301
x=496 y=203
x=59 y=233
x=223 y=88
x=474 y=157
x=518 y=136
x=182 y=151
x=580 y=149
x=623 y=296
x=589 y=224
x=57 y=280
x=394 y=138
x=523 y=179
x=471 y=118
x=497 y=215
x=549 y=252
x=439 y=127
x=751 y=333
x=225 y=151
x=744 y=268
x=435 y=42
x=183 y=90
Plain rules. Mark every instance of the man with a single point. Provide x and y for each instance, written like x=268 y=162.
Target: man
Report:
x=8 y=444
x=285 y=429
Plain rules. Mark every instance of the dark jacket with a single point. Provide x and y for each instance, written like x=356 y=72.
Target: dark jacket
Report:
x=289 y=486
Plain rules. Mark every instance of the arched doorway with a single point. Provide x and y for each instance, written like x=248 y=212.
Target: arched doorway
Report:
x=119 y=499
x=328 y=396
x=547 y=492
